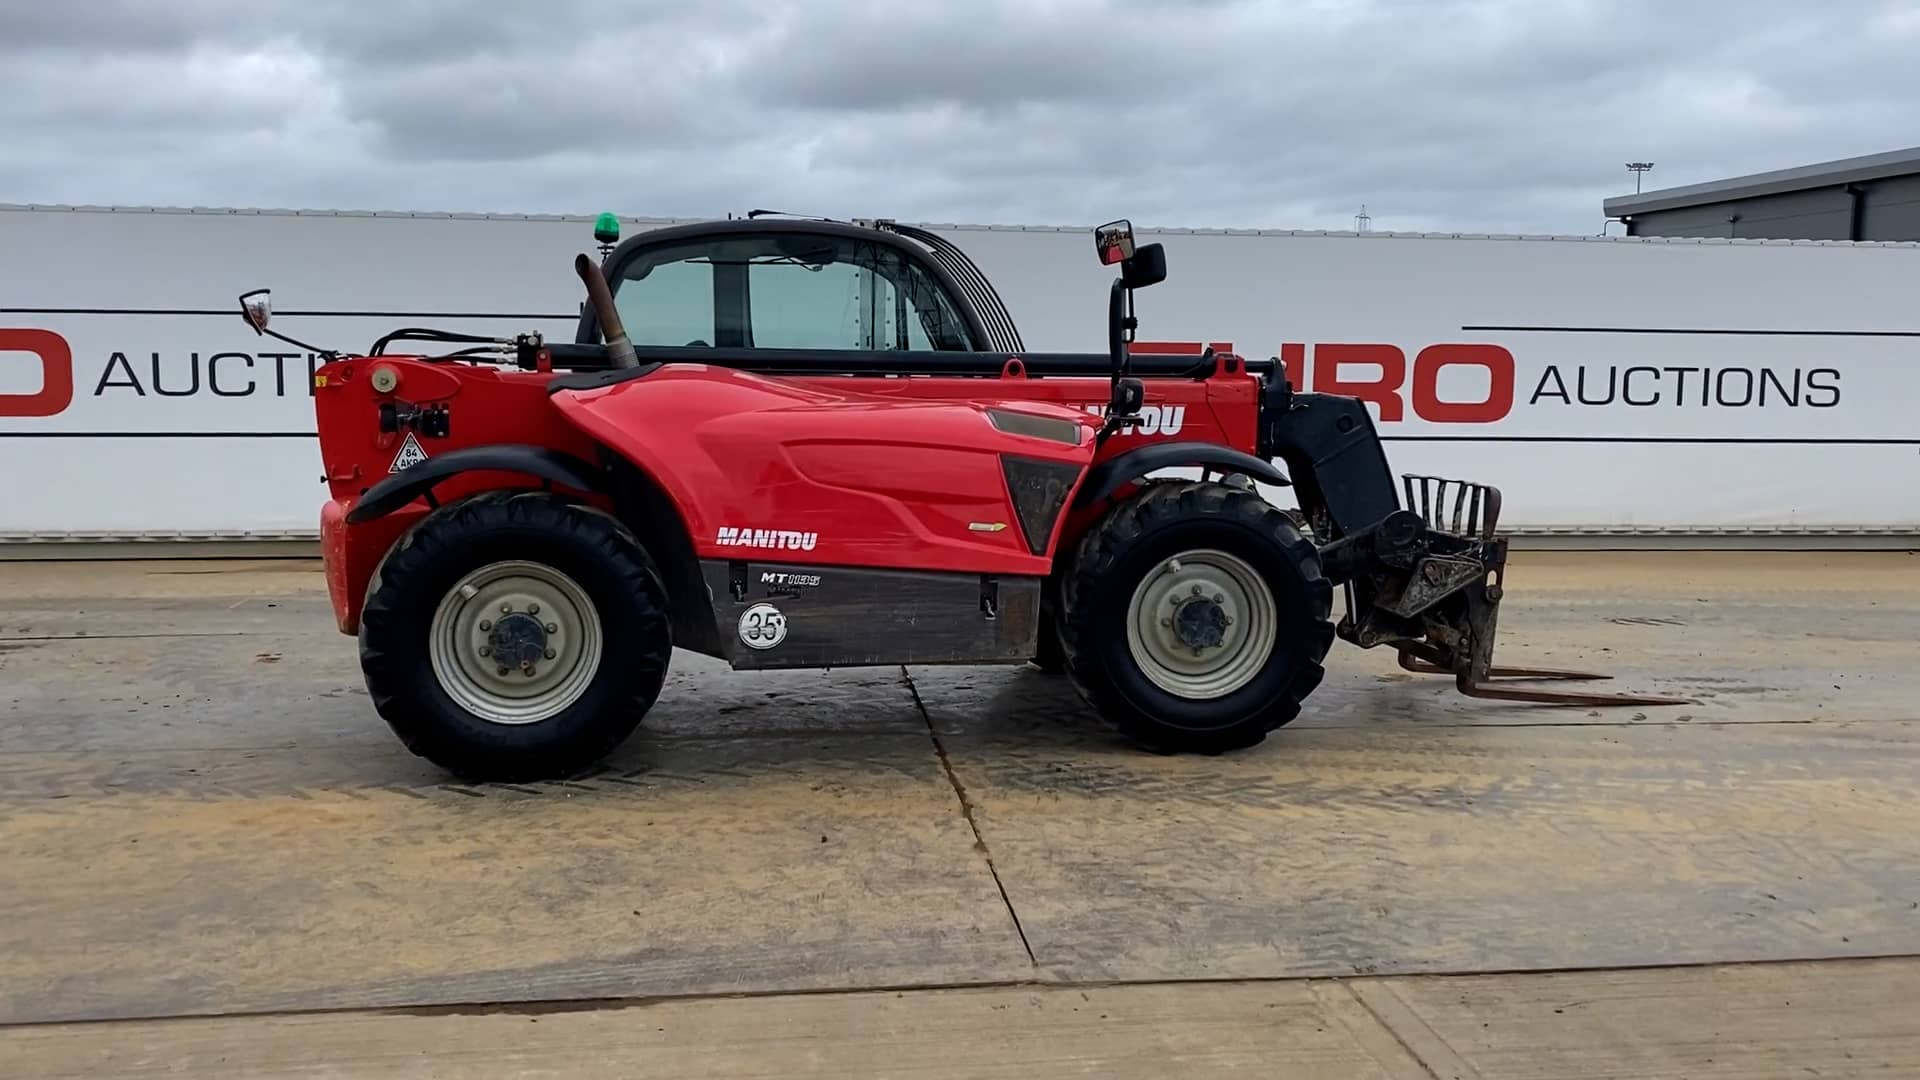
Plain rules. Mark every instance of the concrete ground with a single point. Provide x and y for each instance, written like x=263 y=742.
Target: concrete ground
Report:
x=215 y=860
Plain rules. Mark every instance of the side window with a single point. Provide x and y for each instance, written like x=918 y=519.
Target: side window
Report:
x=672 y=305
x=786 y=291
x=794 y=305
x=918 y=314
x=917 y=338
x=858 y=299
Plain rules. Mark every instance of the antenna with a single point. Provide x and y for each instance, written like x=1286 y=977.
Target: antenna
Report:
x=1639 y=168
x=755 y=214
x=1362 y=222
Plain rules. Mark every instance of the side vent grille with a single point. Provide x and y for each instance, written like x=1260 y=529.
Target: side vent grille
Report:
x=1039 y=490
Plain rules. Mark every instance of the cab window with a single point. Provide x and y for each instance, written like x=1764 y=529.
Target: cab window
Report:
x=672 y=306
x=797 y=305
x=787 y=291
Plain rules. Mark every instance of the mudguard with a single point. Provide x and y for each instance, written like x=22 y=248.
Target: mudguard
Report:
x=410 y=483
x=1116 y=472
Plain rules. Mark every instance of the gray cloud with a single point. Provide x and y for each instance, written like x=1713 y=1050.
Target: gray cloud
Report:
x=1503 y=115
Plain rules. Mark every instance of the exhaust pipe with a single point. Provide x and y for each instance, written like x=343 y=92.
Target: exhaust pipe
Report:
x=619 y=350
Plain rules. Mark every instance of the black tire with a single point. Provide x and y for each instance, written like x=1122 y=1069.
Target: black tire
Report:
x=1049 y=655
x=585 y=545
x=1118 y=553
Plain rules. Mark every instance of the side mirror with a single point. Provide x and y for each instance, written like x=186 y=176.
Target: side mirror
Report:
x=257 y=308
x=1147 y=267
x=1114 y=242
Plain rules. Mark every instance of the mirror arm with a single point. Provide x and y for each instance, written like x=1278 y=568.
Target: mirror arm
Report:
x=326 y=355
x=260 y=327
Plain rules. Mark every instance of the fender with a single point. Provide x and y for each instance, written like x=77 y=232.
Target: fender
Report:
x=1116 y=472
x=403 y=487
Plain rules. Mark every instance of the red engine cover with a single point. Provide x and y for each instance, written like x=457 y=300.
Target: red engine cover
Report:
x=828 y=471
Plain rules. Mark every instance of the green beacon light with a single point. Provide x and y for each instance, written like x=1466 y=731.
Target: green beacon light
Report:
x=606 y=232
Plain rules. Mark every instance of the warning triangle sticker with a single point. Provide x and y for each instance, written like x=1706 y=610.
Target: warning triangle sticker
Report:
x=410 y=455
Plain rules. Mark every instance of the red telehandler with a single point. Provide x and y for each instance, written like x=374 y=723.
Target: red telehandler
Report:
x=793 y=442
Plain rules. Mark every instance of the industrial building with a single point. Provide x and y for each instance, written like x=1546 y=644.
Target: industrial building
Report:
x=1876 y=197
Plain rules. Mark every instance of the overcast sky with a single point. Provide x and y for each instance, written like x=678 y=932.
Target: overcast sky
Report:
x=1498 y=115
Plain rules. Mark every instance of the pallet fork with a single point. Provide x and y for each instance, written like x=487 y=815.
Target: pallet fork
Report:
x=1433 y=593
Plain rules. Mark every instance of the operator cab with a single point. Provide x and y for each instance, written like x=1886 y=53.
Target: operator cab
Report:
x=825 y=288
x=760 y=283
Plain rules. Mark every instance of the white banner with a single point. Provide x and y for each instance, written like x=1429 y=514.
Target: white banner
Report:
x=1602 y=384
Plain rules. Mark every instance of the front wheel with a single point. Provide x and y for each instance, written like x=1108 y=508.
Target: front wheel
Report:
x=1048 y=655
x=515 y=637
x=1196 y=618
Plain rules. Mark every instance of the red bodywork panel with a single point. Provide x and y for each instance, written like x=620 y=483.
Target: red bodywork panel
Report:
x=868 y=471
x=1223 y=410
x=838 y=475
x=485 y=405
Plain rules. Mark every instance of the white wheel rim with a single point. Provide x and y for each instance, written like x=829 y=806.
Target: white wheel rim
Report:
x=527 y=618
x=1201 y=624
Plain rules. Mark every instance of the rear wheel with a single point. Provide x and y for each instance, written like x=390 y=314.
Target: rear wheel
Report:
x=1196 y=618
x=515 y=636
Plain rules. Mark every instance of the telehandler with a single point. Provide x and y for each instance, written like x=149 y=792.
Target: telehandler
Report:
x=789 y=442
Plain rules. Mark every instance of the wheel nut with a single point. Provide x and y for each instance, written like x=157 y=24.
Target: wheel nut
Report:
x=549 y=654
x=1196 y=590
x=1219 y=598
x=506 y=609
x=1166 y=622
x=503 y=669
x=486 y=650
x=1196 y=650
x=533 y=609
x=553 y=628
x=486 y=624
x=1229 y=620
